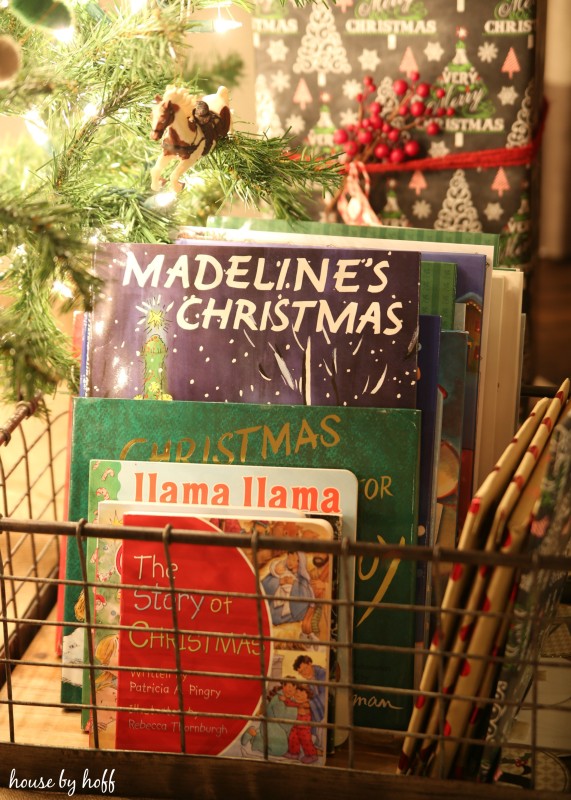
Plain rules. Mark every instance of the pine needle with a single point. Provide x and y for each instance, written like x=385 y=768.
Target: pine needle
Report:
x=88 y=180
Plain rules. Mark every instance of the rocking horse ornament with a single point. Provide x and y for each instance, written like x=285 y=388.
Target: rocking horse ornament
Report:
x=193 y=124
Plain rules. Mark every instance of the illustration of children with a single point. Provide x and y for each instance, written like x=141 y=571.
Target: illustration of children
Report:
x=300 y=741
x=280 y=706
x=309 y=671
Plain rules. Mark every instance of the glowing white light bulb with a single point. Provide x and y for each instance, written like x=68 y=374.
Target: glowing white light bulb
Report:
x=164 y=199
x=62 y=289
x=36 y=126
x=196 y=181
x=64 y=35
x=90 y=111
x=227 y=23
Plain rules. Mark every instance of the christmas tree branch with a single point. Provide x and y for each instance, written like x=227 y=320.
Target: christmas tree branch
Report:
x=51 y=233
x=35 y=356
x=263 y=171
x=89 y=180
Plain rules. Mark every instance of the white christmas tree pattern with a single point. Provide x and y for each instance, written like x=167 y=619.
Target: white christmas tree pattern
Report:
x=321 y=49
x=458 y=212
x=521 y=131
x=267 y=119
x=386 y=95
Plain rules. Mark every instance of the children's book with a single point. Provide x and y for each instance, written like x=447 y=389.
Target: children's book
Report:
x=431 y=409
x=118 y=488
x=204 y=599
x=491 y=398
x=104 y=569
x=451 y=381
x=112 y=512
x=510 y=360
x=246 y=322
x=473 y=290
x=380 y=446
x=474 y=254
x=104 y=555
x=77 y=347
x=438 y=290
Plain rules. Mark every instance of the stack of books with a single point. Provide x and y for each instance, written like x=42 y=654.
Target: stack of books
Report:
x=251 y=378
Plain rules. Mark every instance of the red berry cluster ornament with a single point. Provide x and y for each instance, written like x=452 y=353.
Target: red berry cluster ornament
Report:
x=384 y=134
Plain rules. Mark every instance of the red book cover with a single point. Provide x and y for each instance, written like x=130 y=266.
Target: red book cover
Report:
x=220 y=623
x=151 y=683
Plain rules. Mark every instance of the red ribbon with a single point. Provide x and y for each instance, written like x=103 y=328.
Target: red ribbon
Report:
x=497 y=157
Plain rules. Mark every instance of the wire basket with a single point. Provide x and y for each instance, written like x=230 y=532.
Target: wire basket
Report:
x=43 y=746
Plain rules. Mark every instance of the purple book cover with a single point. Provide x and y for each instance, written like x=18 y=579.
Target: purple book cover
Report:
x=241 y=322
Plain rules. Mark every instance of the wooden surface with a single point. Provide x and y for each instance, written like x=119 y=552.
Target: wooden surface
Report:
x=146 y=775
x=36 y=724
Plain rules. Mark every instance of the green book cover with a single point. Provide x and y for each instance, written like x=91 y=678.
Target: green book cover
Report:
x=431 y=239
x=380 y=446
x=438 y=290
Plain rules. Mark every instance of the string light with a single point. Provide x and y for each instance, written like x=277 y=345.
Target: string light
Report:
x=26 y=172
x=90 y=111
x=195 y=181
x=221 y=23
x=58 y=287
x=164 y=199
x=64 y=35
x=36 y=127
